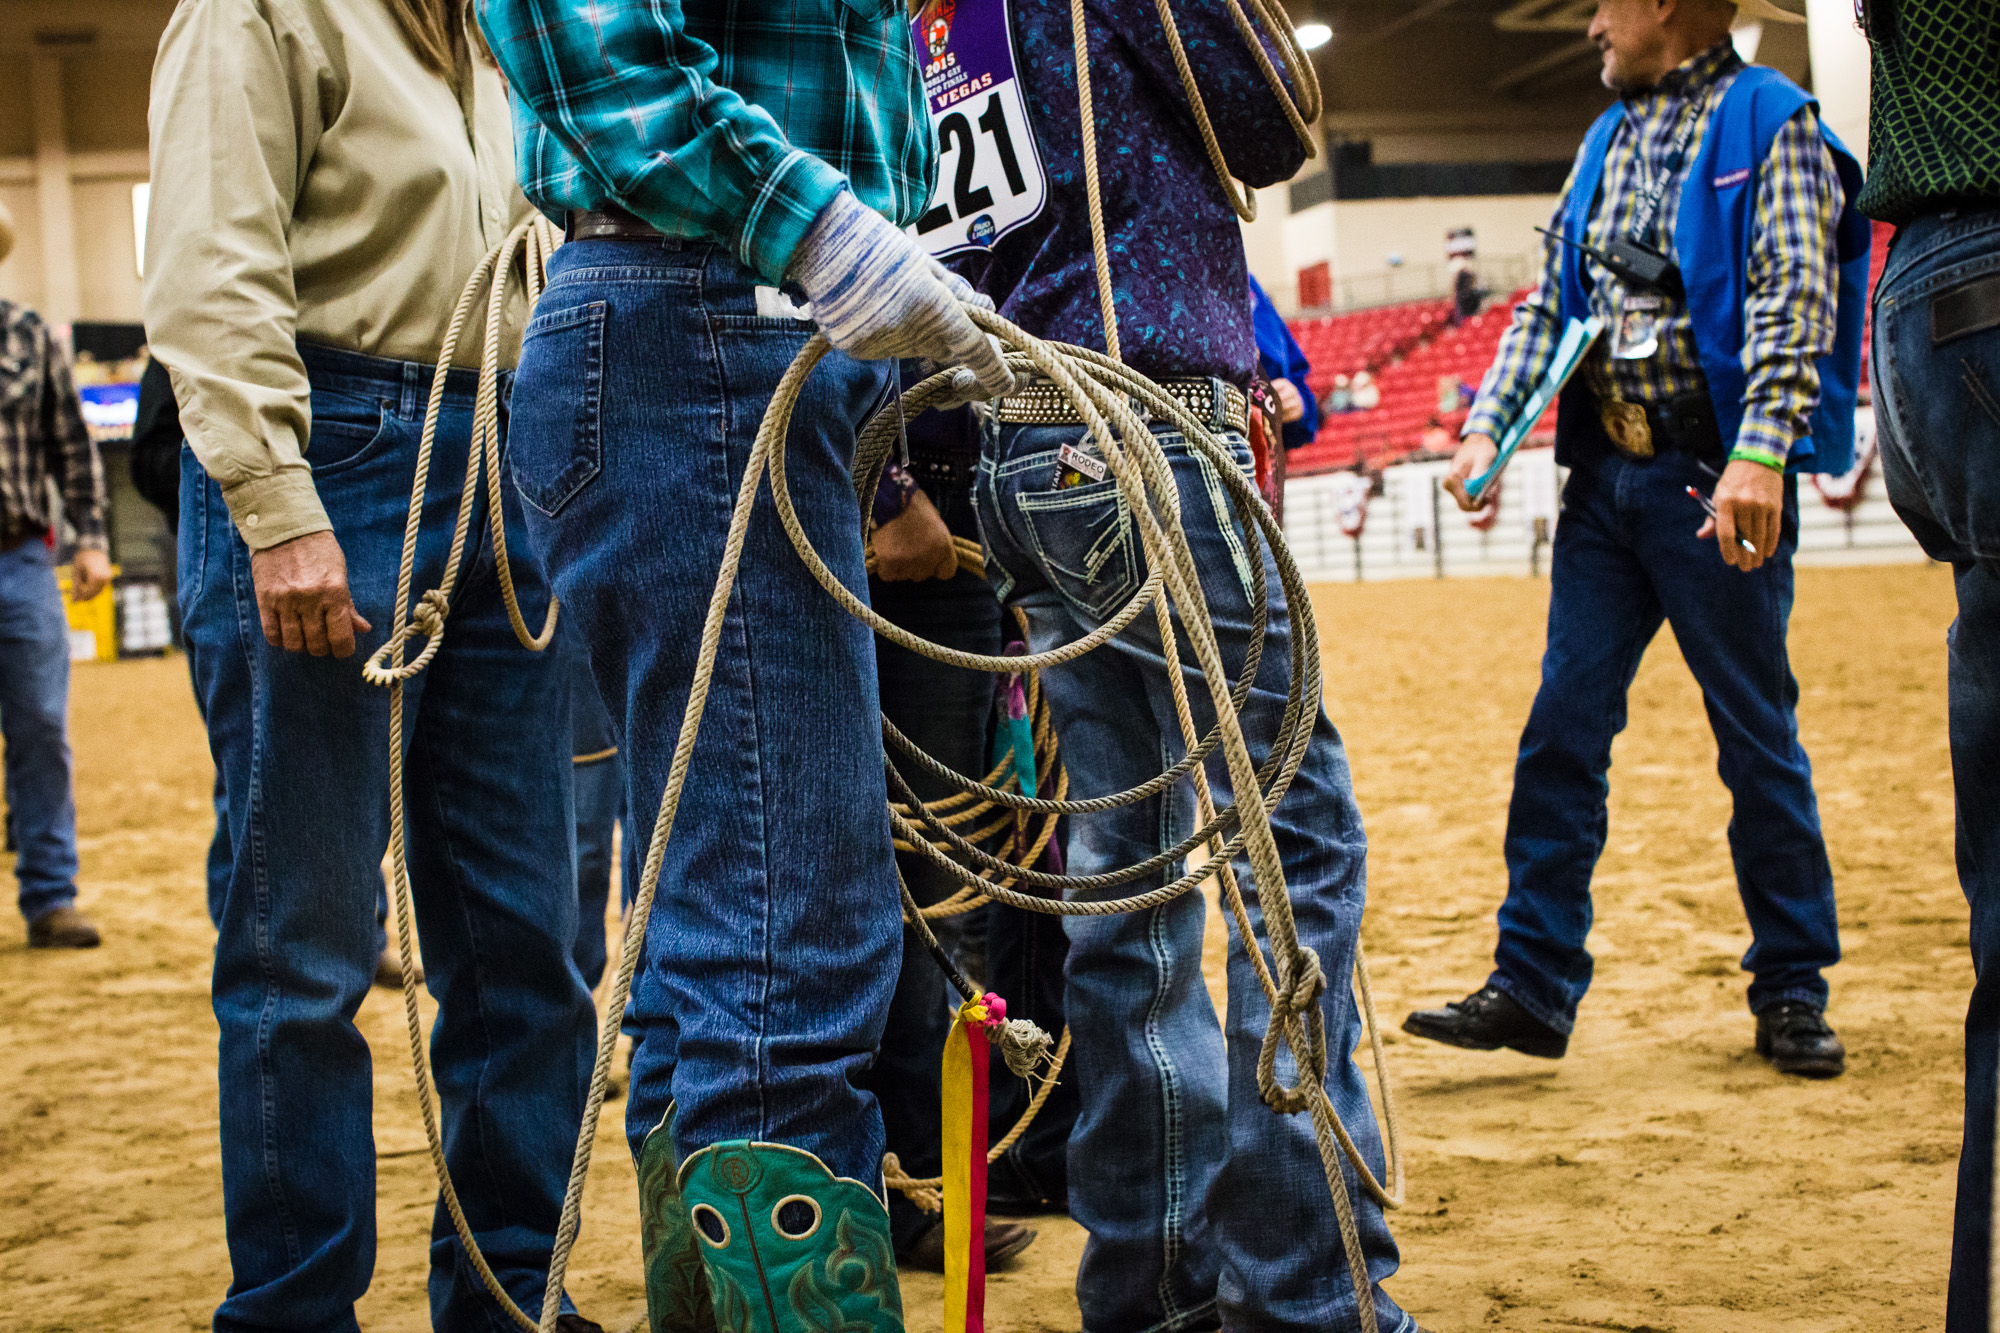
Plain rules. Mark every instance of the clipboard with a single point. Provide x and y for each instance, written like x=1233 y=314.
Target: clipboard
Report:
x=1577 y=339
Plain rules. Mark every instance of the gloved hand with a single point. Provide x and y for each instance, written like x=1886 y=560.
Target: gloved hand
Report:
x=875 y=294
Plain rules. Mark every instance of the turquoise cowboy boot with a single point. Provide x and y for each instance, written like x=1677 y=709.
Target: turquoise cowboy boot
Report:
x=677 y=1299
x=789 y=1246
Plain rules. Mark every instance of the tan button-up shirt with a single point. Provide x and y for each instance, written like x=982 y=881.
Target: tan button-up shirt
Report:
x=311 y=181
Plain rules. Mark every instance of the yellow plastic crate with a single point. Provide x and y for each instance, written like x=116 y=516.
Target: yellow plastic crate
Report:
x=97 y=618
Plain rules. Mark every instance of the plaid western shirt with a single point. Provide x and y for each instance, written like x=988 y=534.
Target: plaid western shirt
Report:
x=42 y=435
x=1788 y=310
x=715 y=120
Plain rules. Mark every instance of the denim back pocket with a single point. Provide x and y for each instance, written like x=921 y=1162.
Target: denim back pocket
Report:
x=1940 y=410
x=554 y=440
x=1084 y=542
x=347 y=430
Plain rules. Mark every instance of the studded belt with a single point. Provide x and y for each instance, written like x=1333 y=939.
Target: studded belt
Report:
x=1217 y=403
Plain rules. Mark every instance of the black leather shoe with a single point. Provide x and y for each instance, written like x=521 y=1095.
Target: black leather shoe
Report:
x=1794 y=1037
x=1486 y=1020
x=64 y=928
x=1004 y=1240
x=576 y=1323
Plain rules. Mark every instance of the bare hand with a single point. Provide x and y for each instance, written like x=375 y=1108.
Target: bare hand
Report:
x=1290 y=406
x=1474 y=456
x=89 y=570
x=302 y=596
x=1750 y=503
x=915 y=545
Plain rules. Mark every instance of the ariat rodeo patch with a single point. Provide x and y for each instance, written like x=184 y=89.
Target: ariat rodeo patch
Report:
x=1076 y=460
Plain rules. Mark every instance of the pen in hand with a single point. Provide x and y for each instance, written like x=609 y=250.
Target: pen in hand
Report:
x=1708 y=507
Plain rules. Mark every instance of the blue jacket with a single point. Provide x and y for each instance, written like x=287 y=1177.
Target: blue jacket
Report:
x=1712 y=242
x=1281 y=358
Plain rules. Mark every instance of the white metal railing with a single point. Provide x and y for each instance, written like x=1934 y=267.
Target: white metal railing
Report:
x=1401 y=538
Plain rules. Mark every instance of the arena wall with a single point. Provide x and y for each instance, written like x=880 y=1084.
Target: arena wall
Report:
x=74 y=81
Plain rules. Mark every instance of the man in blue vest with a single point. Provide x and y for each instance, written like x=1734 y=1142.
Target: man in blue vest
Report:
x=1707 y=223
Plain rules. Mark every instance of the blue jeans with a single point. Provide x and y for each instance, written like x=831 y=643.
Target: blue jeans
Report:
x=302 y=742
x=1201 y=1203
x=34 y=721
x=222 y=855
x=1626 y=559
x=598 y=774
x=776 y=930
x=1937 y=407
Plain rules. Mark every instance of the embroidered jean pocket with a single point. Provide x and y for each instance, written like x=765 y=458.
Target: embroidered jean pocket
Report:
x=554 y=440
x=1084 y=541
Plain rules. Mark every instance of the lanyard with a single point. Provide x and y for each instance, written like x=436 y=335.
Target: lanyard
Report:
x=1656 y=188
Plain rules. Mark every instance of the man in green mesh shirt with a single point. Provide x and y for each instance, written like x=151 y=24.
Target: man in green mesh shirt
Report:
x=1934 y=171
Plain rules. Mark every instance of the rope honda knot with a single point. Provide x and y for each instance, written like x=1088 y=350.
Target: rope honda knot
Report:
x=1297 y=1001
x=426 y=618
x=1308 y=984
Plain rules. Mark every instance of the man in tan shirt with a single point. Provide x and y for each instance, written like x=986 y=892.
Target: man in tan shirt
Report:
x=330 y=172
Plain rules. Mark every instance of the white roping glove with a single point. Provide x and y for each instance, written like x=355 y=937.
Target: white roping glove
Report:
x=875 y=295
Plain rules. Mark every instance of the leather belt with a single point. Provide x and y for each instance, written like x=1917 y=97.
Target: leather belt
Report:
x=1217 y=403
x=1969 y=307
x=609 y=224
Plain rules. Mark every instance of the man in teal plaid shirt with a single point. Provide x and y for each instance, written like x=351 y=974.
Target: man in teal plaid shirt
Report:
x=729 y=176
x=1724 y=371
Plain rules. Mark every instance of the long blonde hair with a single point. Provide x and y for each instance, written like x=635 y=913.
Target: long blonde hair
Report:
x=434 y=29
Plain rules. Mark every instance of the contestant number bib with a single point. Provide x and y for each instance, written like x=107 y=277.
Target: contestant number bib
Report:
x=990 y=178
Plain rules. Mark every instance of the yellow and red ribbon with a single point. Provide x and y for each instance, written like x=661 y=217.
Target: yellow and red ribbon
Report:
x=964 y=1143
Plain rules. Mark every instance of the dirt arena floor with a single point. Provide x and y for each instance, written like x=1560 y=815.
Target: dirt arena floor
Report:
x=1660 y=1178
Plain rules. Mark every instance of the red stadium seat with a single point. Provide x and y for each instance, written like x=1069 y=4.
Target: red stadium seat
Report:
x=1408 y=348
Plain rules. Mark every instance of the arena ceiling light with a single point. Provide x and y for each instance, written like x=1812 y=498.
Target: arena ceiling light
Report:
x=1312 y=36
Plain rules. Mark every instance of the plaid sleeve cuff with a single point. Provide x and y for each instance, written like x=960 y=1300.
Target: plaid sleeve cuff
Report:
x=1763 y=442
x=783 y=210
x=1484 y=419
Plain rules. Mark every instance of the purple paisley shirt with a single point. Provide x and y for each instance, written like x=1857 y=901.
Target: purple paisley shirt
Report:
x=1177 y=268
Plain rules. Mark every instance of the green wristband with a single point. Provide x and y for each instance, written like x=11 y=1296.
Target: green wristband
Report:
x=1750 y=453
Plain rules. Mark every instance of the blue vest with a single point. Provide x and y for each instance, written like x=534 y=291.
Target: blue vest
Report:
x=1712 y=242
